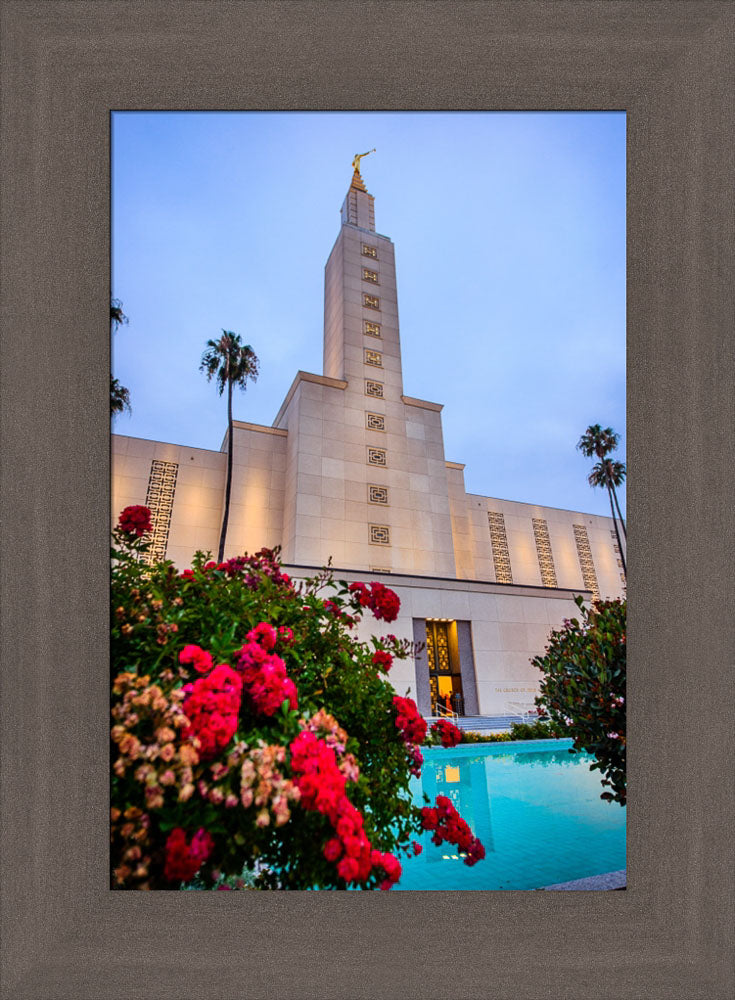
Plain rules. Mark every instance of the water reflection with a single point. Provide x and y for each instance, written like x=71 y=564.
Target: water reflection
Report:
x=463 y=782
x=538 y=813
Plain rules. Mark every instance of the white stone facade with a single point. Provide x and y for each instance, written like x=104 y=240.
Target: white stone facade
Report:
x=355 y=470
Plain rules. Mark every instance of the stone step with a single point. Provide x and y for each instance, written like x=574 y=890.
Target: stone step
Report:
x=487 y=723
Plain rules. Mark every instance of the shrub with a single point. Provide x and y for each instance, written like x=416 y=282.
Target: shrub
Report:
x=446 y=733
x=469 y=737
x=541 y=729
x=255 y=742
x=583 y=688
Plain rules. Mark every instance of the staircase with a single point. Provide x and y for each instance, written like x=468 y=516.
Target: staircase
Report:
x=483 y=723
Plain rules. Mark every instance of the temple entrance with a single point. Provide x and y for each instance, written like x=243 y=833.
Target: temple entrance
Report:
x=445 y=679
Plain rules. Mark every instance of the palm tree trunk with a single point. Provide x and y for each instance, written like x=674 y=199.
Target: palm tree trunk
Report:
x=620 y=516
x=615 y=525
x=228 y=487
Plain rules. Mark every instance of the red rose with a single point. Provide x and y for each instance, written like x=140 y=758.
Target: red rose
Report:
x=135 y=520
x=382 y=601
x=332 y=849
x=184 y=860
x=382 y=660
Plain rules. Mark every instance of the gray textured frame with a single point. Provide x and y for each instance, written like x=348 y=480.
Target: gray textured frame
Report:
x=65 y=65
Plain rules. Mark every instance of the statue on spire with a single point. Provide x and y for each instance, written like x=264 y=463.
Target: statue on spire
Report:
x=358 y=157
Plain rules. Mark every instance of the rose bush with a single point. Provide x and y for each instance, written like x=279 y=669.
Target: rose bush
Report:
x=255 y=742
x=447 y=733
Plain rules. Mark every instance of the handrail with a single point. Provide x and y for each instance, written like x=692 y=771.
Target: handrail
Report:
x=526 y=711
x=444 y=713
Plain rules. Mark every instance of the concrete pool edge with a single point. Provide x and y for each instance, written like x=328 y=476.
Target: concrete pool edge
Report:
x=504 y=746
x=610 y=880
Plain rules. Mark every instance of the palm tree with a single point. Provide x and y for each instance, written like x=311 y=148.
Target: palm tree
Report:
x=117 y=316
x=232 y=363
x=119 y=395
x=599 y=442
x=606 y=473
x=616 y=472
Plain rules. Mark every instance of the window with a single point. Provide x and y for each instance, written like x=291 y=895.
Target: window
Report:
x=373 y=388
x=379 y=534
x=377 y=456
x=375 y=421
x=369 y=251
x=370 y=301
x=160 y=499
x=373 y=358
x=378 y=494
x=499 y=545
x=543 y=550
x=370 y=329
x=584 y=554
x=368 y=275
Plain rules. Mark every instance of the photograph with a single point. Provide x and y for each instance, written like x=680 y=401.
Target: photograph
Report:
x=369 y=576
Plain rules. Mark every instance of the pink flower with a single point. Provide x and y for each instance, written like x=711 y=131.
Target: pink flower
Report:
x=199 y=658
x=347 y=869
x=264 y=634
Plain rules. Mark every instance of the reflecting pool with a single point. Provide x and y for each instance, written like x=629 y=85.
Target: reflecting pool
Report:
x=535 y=807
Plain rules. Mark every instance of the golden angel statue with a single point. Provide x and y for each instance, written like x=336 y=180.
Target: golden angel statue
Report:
x=358 y=157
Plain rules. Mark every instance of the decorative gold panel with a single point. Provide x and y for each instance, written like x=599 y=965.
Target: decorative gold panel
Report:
x=375 y=421
x=376 y=456
x=373 y=388
x=543 y=550
x=369 y=251
x=437 y=648
x=378 y=494
x=373 y=357
x=584 y=554
x=370 y=329
x=499 y=543
x=379 y=534
x=368 y=275
x=370 y=301
x=160 y=500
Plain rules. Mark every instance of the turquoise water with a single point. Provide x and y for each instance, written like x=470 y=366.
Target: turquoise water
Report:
x=536 y=808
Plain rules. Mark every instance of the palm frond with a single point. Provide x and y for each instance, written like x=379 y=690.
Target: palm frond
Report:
x=229 y=361
x=119 y=397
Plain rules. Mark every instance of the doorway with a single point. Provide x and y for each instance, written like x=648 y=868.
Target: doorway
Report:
x=445 y=677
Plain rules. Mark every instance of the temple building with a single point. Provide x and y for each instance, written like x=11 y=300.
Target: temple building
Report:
x=354 y=469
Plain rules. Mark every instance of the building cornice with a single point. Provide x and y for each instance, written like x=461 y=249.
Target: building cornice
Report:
x=423 y=403
x=259 y=427
x=333 y=383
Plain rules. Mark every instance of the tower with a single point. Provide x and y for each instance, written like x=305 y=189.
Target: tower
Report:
x=366 y=479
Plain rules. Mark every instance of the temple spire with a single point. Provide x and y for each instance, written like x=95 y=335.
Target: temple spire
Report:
x=357 y=208
x=357 y=180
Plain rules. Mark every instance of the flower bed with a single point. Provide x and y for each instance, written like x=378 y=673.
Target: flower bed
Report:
x=252 y=731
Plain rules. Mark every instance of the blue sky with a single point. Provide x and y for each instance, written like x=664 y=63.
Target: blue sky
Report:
x=509 y=231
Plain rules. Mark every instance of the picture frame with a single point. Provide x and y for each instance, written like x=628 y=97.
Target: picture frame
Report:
x=66 y=66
